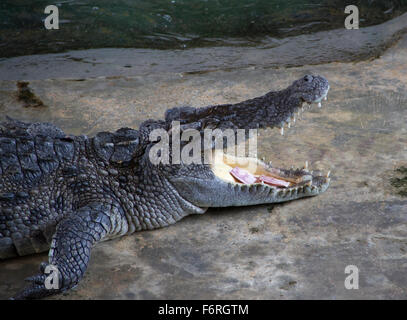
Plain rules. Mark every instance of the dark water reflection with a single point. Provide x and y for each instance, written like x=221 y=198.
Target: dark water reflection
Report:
x=173 y=23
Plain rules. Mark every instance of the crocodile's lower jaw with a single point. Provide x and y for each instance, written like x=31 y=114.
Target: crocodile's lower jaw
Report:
x=303 y=182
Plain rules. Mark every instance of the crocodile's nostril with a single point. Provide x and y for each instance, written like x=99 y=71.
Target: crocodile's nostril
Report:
x=308 y=78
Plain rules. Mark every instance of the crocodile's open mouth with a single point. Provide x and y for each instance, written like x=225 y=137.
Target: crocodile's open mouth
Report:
x=254 y=172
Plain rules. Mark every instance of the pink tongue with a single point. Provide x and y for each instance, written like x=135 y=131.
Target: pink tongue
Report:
x=243 y=176
x=246 y=177
x=274 y=182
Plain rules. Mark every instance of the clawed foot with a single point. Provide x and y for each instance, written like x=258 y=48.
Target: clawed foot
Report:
x=69 y=252
x=48 y=282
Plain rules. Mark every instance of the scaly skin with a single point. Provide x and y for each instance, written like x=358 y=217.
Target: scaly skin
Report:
x=66 y=193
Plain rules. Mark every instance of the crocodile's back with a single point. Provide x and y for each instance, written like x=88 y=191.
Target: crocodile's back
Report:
x=30 y=155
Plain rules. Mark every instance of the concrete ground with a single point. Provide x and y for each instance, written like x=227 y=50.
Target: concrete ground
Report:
x=295 y=250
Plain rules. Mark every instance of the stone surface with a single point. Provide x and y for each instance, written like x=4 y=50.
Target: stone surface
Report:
x=293 y=250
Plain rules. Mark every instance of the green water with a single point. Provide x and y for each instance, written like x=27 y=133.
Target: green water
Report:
x=173 y=23
x=400 y=183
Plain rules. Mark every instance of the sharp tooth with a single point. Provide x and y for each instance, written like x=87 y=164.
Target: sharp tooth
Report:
x=319 y=105
x=289 y=125
x=282 y=131
x=328 y=174
x=306 y=165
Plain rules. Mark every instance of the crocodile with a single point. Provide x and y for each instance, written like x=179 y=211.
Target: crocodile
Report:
x=65 y=193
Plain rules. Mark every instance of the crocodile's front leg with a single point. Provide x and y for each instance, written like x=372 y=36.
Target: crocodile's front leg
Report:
x=70 y=248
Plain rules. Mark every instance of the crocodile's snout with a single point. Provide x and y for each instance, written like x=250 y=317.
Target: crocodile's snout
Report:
x=311 y=88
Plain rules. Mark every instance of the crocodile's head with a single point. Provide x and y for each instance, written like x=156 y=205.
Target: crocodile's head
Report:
x=217 y=183
x=311 y=89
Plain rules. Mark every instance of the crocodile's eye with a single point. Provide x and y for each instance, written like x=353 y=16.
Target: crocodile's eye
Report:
x=308 y=78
